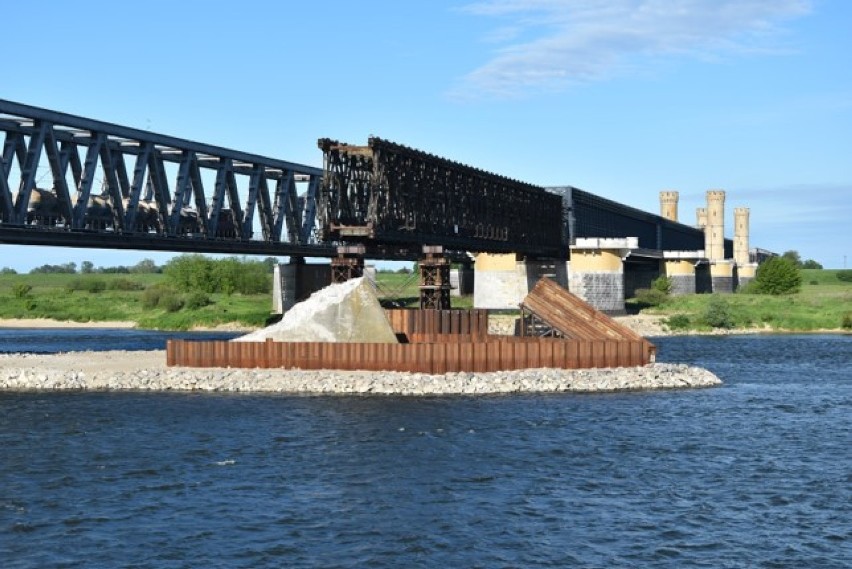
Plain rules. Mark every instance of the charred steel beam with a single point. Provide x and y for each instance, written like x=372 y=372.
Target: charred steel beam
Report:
x=388 y=193
x=91 y=189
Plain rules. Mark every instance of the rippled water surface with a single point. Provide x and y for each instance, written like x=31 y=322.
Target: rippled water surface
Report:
x=757 y=473
x=53 y=340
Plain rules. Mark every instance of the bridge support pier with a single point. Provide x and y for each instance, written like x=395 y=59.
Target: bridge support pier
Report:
x=434 y=279
x=503 y=280
x=349 y=263
x=746 y=273
x=597 y=271
x=462 y=280
x=682 y=275
x=295 y=281
x=722 y=276
x=681 y=268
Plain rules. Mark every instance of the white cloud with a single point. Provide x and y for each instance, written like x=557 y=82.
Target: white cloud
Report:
x=577 y=41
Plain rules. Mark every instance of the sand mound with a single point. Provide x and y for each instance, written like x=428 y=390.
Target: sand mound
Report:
x=342 y=312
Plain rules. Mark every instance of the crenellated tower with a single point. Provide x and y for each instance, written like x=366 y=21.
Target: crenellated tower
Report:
x=714 y=231
x=741 y=215
x=701 y=217
x=668 y=204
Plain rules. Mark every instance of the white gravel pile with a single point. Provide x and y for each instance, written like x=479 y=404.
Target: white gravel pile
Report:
x=23 y=373
x=340 y=312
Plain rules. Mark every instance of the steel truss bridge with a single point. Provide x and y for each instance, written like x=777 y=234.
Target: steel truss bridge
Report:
x=85 y=183
x=109 y=187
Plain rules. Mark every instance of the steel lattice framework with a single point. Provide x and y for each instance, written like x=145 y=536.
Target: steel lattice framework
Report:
x=134 y=205
x=389 y=193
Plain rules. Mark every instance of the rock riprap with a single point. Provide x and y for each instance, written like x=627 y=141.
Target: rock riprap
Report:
x=23 y=373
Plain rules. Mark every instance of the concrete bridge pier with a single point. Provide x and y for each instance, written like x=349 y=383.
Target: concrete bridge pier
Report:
x=462 y=280
x=680 y=267
x=295 y=281
x=503 y=280
x=723 y=275
x=597 y=271
x=746 y=273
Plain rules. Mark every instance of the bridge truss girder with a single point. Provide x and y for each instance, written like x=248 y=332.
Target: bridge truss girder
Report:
x=386 y=193
x=201 y=202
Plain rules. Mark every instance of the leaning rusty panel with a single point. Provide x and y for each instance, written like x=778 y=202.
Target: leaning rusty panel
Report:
x=389 y=193
x=439 y=357
x=572 y=316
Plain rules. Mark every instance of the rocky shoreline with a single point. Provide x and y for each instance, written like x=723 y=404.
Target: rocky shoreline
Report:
x=145 y=371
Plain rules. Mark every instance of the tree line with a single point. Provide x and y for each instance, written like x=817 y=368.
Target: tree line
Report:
x=145 y=266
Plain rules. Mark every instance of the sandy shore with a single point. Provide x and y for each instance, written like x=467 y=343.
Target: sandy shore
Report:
x=88 y=362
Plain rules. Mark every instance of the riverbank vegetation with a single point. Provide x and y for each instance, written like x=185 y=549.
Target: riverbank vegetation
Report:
x=822 y=301
x=193 y=291
x=190 y=291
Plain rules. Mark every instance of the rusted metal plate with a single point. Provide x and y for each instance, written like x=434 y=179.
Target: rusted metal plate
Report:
x=572 y=317
x=476 y=354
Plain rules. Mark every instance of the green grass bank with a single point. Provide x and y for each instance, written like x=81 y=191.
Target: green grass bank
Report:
x=823 y=303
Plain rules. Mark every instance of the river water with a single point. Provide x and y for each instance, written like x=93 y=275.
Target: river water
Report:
x=757 y=473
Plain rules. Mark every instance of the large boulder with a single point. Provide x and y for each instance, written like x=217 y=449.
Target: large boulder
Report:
x=341 y=312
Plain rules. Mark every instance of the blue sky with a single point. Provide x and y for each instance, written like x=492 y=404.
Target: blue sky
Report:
x=622 y=98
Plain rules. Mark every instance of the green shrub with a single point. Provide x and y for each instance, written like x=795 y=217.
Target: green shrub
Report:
x=678 y=322
x=846 y=324
x=718 y=313
x=94 y=285
x=650 y=297
x=197 y=300
x=778 y=275
x=662 y=284
x=845 y=275
x=170 y=302
x=31 y=304
x=153 y=295
x=21 y=290
x=190 y=273
x=87 y=284
x=196 y=273
x=751 y=287
x=124 y=283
